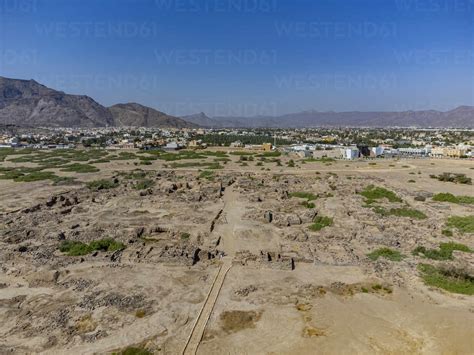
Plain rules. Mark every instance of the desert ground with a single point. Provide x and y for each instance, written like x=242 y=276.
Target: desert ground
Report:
x=221 y=252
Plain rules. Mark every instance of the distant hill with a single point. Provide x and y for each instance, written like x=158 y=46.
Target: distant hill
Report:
x=28 y=103
x=133 y=114
x=201 y=119
x=462 y=116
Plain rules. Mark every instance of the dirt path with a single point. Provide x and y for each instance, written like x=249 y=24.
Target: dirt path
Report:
x=203 y=317
x=232 y=215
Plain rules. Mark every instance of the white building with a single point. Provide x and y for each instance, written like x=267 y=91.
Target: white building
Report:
x=376 y=151
x=172 y=146
x=350 y=153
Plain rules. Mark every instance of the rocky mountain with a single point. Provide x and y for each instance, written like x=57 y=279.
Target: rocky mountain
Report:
x=133 y=114
x=201 y=119
x=28 y=103
x=462 y=116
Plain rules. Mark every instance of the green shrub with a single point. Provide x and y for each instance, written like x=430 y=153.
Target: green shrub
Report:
x=80 y=168
x=447 y=197
x=206 y=174
x=308 y=204
x=73 y=248
x=451 y=177
x=36 y=176
x=102 y=184
x=452 y=280
x=135 y=351
x=447 y=232
x=407 y=212
x=291 y=163
x=372 y=193
x=185 y=236
x=386 y=253
x=400 y=212
x=463 y=224
x=445 y=251
x=143 y=184
x=269 y=154
x=240 y=153
x=321 y=222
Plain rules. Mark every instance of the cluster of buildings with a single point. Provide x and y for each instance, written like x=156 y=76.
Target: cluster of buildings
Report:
x=342 y=143
x=351 y=153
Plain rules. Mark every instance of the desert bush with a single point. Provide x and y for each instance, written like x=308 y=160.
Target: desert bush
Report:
x=80 y=168
x=206 y=174
x=400 y=212
x=372 y=193
x=463 y=224
x=447 y=197
x=321 y=222
x=131 y=350
x=445 y=251
x=74 y=248
x=103 y=184
x=451 y=177
x=143 y=184
x=447 y=232
x=448 y=278
x=386 y=253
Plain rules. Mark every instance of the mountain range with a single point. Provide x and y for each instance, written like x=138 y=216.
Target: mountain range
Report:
x=27 y=103
x=462 y=116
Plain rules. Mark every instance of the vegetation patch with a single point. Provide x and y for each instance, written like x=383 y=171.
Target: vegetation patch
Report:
x=143 y=184
x=462 y=224
x=269 y=155
x=308 y=204
x=386 y=253
x=80 y=168
x=400 y=212
x=103 y=184
x=373 y=193
x=447 y=197
x=73 y=248
x=133 y=350
x=321 y=222
x=445 y=251
x=447 y=232
x=23 y=174
x=185 y=236
x=455 y=178
x=206 y=174
x=449 y=279
x=240 y=153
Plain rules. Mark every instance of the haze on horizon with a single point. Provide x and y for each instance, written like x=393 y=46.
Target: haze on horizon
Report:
x=246 y=57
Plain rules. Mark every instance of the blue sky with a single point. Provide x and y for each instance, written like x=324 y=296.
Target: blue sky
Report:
x=246 y=57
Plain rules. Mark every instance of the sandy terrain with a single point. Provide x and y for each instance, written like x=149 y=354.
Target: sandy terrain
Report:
x=229 y=265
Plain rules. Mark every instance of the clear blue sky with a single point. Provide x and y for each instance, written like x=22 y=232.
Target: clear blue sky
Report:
x=246 y=57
